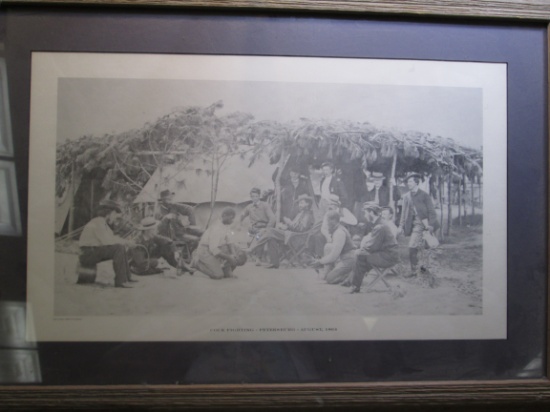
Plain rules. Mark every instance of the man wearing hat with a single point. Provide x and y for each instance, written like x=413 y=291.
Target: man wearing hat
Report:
x=275 y=237
x=150 y=246
x=98 y=243
x=171 y=214
x=378 y=249
x=374 y=191
x=290 y=192
x=339 y=252
x=418 y=214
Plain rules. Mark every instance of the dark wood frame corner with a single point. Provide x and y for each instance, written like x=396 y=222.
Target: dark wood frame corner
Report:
x=510 y=394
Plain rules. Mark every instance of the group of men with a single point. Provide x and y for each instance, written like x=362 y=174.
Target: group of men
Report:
x=344 y=258
x=167 y=235
x=347 y=259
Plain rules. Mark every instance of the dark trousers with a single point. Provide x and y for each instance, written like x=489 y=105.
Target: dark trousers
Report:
x=92 y=255
x=365 y=262
x=141 y=263
x=274 y=251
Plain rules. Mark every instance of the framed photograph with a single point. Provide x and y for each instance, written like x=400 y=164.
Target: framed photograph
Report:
x=6 y=144
x=297 y=303
x=281 y=209
x=10 y=222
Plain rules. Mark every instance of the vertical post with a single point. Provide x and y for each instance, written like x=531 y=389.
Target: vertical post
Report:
x=281 y=166
x=92 y=199
x=72 y=194
x=473 y=201
x=449 y=203
x=440 y=193
x=460 y=200
x=392 y=178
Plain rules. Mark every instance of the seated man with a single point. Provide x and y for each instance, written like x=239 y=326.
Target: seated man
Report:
x=290 y=192
x=339 y=254
x=150 y=247
x=98 y=243
x=259 y=213
x=347 y=220
x=378 y=249
x=217 y=256
x=176 y=219
x=388 y=217
x=274 y=237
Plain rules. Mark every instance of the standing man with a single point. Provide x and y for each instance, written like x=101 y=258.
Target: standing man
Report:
x=217 y=256
x=378 y=249
x=418 y=215
x=331 y=185
x=339 y=257
x=98 y=243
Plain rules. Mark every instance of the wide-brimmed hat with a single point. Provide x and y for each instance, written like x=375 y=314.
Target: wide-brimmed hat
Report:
x=375 y=207
x=413 y=174
x=377 y=176
x=148 y=223
x=110 y=204
x=334 y=200
x=305 y=197
x=165 y=193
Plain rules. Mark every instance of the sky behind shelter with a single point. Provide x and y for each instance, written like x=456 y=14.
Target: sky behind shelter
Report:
x=110 y=106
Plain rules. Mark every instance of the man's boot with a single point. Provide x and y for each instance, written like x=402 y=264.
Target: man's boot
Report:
x=413 y=257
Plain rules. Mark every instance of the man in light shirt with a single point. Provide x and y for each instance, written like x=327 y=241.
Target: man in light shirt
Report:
x=217 y=256
x=331 y=185
x=98 y=243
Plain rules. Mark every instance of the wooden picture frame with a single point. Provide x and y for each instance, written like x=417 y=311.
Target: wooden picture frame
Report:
x=10 y=222
x=531 y=394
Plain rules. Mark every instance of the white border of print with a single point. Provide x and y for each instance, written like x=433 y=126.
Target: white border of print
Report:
x=47 y=68
x=6 y=143
x=10 y=221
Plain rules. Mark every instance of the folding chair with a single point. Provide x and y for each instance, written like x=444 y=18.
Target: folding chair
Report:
x=380 y=275
x=297 y=244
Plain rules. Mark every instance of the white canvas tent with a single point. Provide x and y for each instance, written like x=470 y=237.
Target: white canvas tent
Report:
x=192 y=184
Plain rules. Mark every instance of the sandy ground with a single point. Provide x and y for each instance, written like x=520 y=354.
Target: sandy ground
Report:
x=260 y=291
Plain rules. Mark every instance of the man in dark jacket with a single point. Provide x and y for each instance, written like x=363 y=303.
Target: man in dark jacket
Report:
x=417 y=216
x=150 y=246
x=378 y=249
x=291 y=191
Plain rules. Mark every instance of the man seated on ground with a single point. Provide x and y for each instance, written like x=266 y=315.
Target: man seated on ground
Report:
x=150 y=246
x=217 y=255
x=378 y=249
x=347 y=219
x=177 y=220
x=275 y=237
x=98 y=243
x=339 y=254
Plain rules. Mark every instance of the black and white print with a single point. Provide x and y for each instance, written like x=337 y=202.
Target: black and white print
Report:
x=224 y=198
